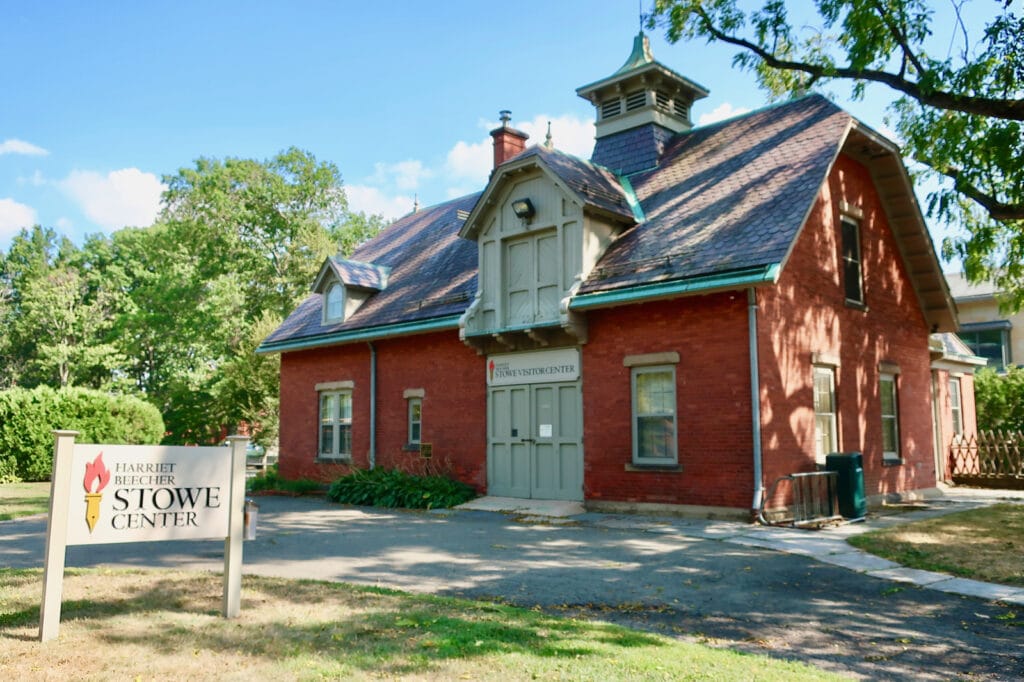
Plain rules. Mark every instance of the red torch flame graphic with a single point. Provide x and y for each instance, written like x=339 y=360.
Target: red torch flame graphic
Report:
x=490 y=368
x=96 y=475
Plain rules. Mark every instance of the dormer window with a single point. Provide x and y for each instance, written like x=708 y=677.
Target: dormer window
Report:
x=334 y=304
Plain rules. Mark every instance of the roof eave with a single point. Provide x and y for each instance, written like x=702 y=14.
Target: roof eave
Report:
x=361 y=334
x=727 y=281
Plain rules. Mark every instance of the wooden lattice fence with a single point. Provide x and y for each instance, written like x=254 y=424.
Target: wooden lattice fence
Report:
x=991 y=459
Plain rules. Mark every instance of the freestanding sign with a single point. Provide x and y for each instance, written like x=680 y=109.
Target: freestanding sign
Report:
x=104 y=494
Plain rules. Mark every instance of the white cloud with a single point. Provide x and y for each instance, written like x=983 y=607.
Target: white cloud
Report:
x=472 y=161
x=126 y=197
x=14 y=216
x=64 y=224
x=723 y=111
x=13 y=146
x=405 y=175
x=373 y=200
x=35 y=180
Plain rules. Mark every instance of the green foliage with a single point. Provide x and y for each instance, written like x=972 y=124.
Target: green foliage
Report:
x=271 y=481
x=29 y=416
x=1000 y=399
x=958 y=107
x=394 y=488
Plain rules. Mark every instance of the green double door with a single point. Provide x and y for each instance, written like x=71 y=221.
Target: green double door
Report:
x=535 y=441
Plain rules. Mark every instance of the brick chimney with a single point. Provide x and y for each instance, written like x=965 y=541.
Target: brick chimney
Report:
x=507 y=140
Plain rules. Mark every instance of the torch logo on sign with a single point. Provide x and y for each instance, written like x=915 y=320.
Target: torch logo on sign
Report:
x=96 y=478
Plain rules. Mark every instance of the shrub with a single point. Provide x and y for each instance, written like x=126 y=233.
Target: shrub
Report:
x=394 y=488
x=28 y=418
x=1000 y=399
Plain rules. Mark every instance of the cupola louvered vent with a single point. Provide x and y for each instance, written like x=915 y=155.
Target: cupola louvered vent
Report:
x=611 y=107
x=681 y=108
x=635 y=100
x=662 y=101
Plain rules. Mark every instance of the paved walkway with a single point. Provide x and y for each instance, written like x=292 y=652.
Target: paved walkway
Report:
x=716 y=582
x=827 y=545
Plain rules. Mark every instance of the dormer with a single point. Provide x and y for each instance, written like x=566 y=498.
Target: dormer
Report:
x=541 y=225
x=344 y=285
x=644 y=104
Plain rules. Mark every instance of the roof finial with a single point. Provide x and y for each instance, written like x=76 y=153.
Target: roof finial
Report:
x=415 y=203
x=640 y=4
x=548 y=142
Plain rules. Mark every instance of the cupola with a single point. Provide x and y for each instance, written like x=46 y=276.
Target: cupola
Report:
x=641 y=105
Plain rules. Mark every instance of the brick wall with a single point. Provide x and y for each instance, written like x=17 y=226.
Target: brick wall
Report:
x=806 y=313
x=712 y=399
x=454 y=405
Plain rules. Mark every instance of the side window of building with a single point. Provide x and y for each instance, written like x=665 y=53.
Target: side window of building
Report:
x=654 y=415
x=415 y=420
x=890 y=418
x=334 y=309
x=956 y=407
x=853 y=280
x=335 y=424
x=825 y=423
x=989 y=340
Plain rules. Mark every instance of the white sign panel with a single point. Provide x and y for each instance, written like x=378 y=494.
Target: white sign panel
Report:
x=541 y=367
x=132 y=493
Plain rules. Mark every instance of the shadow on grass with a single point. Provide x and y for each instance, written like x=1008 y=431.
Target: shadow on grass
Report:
x=17 y=507
x=367 y=629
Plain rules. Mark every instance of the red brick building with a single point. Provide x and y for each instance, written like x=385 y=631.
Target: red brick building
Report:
x=682 y=319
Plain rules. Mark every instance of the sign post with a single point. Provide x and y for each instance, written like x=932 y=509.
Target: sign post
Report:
x=134 y=493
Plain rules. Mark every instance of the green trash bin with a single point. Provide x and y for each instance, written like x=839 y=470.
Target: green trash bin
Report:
x=850 y=484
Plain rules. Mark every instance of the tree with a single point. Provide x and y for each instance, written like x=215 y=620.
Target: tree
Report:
x=959 y=115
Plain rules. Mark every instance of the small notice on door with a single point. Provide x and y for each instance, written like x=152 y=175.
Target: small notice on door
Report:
x=545 y=431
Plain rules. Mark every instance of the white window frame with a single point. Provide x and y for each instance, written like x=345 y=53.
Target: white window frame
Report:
x=956 y=407
x=890 y=455
x=339 y=426
x=338 y=315
x=415 y=412
x=819 y=417
x=638 y=458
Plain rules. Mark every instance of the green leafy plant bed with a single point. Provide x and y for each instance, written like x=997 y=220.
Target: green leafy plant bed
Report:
x=396 y=488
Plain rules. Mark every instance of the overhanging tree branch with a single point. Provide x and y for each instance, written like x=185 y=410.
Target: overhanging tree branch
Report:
x=1010 y=109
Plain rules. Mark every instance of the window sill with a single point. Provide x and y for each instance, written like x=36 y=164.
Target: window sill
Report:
x=857 y=305
x=411 y=447
x=892 y=462
x=342 y=459
x=659 y=468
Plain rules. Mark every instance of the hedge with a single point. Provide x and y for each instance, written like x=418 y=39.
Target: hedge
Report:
x=28 y=418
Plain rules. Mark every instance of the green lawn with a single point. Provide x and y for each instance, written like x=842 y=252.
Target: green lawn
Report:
x=23 y=499
x=985 y=544
x=165 y=625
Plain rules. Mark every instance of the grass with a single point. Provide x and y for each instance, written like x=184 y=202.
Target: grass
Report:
x=983 y=544
x=23 y=499
x=166 y=625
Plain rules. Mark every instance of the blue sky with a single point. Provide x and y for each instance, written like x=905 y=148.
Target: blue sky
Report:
x=102 y=99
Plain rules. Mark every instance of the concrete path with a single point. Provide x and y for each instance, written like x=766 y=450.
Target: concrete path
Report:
x=785 y=593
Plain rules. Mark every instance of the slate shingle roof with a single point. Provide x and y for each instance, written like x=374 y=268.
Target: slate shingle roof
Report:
x=358 y=274
x=724 y=197
x=598 y=186
x=432 y=274
x=728 y=196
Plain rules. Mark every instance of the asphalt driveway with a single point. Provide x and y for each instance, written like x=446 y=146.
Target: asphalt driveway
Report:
x=672 y=576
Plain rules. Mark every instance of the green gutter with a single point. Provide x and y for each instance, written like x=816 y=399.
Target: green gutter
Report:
x=399 y=329
x=634 y=203
x=730 y=280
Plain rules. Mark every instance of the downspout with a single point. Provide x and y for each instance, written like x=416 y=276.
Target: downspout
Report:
x=755 y=400
x=372 y=456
